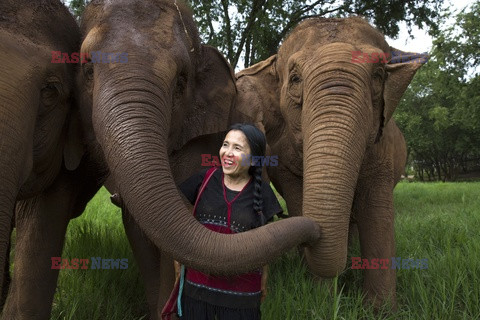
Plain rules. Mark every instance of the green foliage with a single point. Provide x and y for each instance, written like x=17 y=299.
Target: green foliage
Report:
x=99 y=293
x=434 y=221
x=252 y=30
x=77 y=6
x=440 y=112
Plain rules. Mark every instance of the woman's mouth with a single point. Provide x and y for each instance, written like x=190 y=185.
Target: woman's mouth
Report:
x=228 y=162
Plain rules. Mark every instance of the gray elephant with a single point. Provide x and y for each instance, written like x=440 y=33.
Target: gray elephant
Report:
x=329 y=119
x=143 y=93
x=141 y=116
x=40 y=145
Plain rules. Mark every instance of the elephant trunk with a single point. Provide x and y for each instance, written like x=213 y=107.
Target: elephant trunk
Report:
x=336 y=127
x=132 y=122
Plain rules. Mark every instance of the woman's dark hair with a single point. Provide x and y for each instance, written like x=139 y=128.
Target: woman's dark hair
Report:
x=258 y=143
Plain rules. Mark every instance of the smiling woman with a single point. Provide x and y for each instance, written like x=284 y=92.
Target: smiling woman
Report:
x=231 y=200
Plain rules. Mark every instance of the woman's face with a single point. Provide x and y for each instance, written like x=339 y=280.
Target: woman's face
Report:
x=235 y=154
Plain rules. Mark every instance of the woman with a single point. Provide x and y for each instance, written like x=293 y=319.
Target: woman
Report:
x=233 y=199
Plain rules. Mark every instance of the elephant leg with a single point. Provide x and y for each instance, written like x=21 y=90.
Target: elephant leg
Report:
x=7 y=279
x=352 y=232
x=41 y=224
x=289 y=186
x=7 y=208
x=373 y=210
x=148 y=260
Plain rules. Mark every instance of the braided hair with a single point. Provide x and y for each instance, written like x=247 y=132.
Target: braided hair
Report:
x=257 y=142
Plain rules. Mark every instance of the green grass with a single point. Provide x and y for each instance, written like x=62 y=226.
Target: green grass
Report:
x=98 y=293
x=436 y=221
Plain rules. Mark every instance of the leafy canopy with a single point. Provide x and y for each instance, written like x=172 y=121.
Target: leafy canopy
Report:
x=252 y=30
x=440 y=112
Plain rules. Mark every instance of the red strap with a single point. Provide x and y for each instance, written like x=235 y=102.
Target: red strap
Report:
x=207 y=177
x=229 y=203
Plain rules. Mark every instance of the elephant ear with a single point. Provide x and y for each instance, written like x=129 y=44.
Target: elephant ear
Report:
x=399 y=73
x=268 y=65
x=255 y=86
x=74 y=147
x=214 y=96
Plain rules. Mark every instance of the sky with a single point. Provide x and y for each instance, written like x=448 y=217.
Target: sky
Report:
x=422 y=42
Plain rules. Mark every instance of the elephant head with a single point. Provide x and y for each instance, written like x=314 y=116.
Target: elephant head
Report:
x=37 y=127
x=324 y=112
x=169 y=90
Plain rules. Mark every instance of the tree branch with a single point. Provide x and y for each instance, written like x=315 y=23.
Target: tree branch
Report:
x=228 y=30
x=297 y=18
x=257 y=5
x=210 y=27
x=310 y=7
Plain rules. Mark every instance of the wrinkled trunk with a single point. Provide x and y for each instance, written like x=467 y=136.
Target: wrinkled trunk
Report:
x=132 y=124
x=333 y=124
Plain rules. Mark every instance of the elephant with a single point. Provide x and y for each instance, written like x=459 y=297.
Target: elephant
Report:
x=340 y=153
x=40 y=147
x=139 y=117
x=128 y=122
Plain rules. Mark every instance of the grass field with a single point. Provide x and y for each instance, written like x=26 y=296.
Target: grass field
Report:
x=435 y=221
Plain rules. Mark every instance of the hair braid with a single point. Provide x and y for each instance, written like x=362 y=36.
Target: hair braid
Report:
x=257 y=194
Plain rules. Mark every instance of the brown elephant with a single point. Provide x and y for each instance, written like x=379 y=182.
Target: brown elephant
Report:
x=329 y=120
x=40 y=144
x=139 y=116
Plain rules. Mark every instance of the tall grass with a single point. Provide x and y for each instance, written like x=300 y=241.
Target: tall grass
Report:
x=435 y=221
x=99 y=293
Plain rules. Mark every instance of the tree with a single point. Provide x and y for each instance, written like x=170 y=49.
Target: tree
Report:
x=76 y=7
x=440 y=112
x=252 y=30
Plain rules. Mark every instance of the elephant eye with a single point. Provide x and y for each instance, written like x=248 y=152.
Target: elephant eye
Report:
x=295 y=89
x=181 y=83
x=50 y=93
x=295 y=78
x=88 y=71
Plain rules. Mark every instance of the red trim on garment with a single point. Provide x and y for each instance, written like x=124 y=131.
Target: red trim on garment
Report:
x=229 y=203
x=245 y=283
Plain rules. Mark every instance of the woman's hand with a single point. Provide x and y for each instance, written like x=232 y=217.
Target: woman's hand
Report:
x=264 y=283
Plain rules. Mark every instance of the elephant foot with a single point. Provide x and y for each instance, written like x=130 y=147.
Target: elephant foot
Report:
x=117 y=200
x=382 y=306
